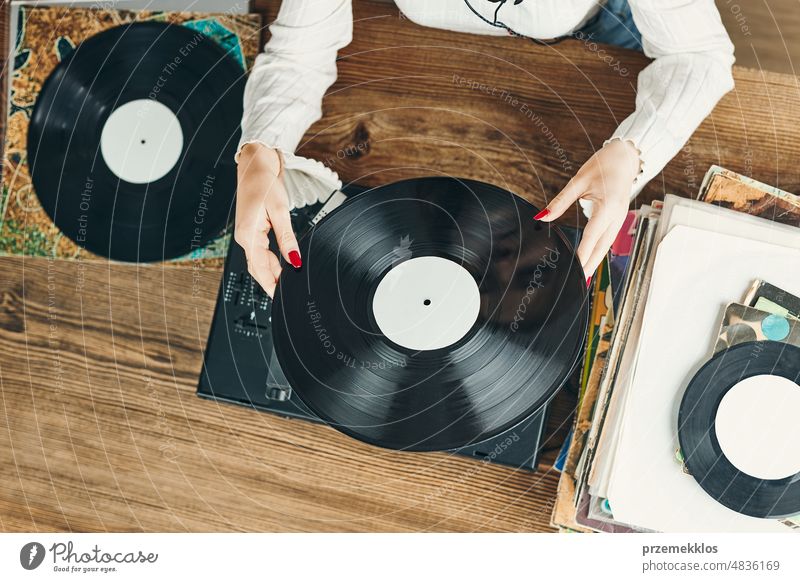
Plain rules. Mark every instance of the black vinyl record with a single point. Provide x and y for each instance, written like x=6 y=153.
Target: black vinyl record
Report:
x=131 y=141
x=704 y=457
x=430 y=314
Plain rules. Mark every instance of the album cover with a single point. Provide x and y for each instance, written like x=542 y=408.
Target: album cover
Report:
x=595 y=513
x=731 y=190
x=746 y=324
x=601 y=307
x=768 y=297
x=564 y=510
x=25 y=228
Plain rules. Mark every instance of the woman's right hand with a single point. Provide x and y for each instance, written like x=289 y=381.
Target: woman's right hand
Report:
x=262 y=204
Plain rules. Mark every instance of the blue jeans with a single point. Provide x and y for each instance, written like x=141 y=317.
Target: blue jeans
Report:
x=613 y=24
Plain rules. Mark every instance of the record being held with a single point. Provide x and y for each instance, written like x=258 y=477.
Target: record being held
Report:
x=430 y=314
x=739 y=432
x=132 y=138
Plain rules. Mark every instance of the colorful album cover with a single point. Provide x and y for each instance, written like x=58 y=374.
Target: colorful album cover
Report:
x=731 y=190
x=564 y=511
x=768 y=297
x=742 y=323
x=601 y=293
x=601 y=306
x=596 y=513
x=25 y=228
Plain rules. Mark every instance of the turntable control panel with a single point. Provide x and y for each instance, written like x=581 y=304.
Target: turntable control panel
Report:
x=241 y=292
x=240 y=365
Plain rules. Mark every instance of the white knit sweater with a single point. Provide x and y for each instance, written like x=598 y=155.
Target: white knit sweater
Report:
x=691 y=71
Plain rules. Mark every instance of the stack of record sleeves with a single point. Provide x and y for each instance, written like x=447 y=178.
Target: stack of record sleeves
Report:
x=690 y=400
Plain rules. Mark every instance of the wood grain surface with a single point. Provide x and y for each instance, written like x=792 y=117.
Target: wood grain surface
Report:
x=411 y=102
x=100 y=428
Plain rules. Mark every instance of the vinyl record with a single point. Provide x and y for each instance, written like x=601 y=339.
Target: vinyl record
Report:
x=132 y=138
x=430 y=314
x=775 y=491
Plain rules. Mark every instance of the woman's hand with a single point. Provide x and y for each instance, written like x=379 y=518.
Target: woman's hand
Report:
x=606 y=179
x=262 y=204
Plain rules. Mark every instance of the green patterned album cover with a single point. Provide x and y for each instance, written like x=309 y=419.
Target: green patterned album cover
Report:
x=44 y=36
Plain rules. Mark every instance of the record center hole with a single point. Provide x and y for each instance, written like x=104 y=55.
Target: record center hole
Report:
x=143 y=141
x=426 y=302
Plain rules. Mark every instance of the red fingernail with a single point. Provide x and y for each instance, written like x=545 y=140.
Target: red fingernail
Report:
x=294 y=259
x=588 y=281
x=541 y=214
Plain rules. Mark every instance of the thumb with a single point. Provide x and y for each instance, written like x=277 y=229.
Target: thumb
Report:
x=558 y=205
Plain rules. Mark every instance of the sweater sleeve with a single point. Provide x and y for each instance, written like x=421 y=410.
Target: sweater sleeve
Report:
x=692 y=70
x=283 y=94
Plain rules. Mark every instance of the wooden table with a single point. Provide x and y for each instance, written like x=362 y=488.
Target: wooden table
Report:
x=100 y=428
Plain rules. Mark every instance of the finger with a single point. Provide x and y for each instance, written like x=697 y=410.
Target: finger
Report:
x=574 y=189
x=274 y=265
x=605 y=241
x=595 y=228
x=252 y=239
x=259 y=265
x=281 y=221
x=269 y=289
x=599 y=251
x=254 y=183
x=255 y=244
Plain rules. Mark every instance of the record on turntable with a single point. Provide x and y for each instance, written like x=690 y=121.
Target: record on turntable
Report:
x=430 y=314
x=131 y=141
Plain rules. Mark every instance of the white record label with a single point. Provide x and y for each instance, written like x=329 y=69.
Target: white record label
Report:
x=426 y=303
x=141 y=141
x=757 y=426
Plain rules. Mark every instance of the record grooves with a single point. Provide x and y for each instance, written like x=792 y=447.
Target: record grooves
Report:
x=132 y=138
x=704 y=458
x=430 y=314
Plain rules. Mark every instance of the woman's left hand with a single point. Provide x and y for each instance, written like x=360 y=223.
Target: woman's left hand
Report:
x=606 y=179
